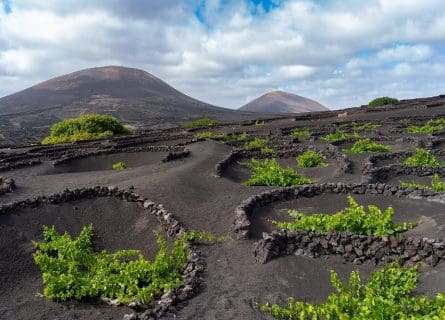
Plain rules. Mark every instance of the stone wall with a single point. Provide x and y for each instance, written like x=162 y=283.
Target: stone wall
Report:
x=6 y=185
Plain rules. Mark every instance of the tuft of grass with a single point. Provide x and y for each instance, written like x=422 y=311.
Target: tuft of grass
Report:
x=300 y=133
x=367 y=146
x=354 y=219
x=431 y=126
x=269 y=173
x=364 y=127
x=436 y=184
x=339 y=135
x=119 y=165
x=422 y=158
x=198 y=123
x=382 y=101
x=311 y=159
x=388 y=294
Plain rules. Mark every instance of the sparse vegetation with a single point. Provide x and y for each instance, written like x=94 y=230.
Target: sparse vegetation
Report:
x=267 y=151
x=367 y=146
x=222 y=136
x=339 y=135
x=300 y=133
x=71 y=269
x=382 y=101
x=311 y=159
x=198 y=123
x=436 y=184
x=257 y=143
x=363 y=127
x=388 y=294
x=431 y=126
x=422 y=158
x=269 y=173
x=354 y=219
x=259 y=123
x=119 y=165
x=87 y=127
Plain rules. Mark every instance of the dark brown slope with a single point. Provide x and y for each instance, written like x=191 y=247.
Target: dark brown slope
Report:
x=134 y=96
x=282 y=102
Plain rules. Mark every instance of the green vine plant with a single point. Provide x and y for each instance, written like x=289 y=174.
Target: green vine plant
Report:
x=364 y=127
x=367 y=146
x=119 y=166
x=311 y=159
x=300 y=133
x=71 y=269
x=422 y=158
x=436 y=184
x=339 y=135
x=431 y=126
x=355 y=218
x=269 y=173
x=198 y=123
x=388 y=295
x=241 y=137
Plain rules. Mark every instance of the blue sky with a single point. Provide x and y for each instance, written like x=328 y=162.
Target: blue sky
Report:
x=340 y=52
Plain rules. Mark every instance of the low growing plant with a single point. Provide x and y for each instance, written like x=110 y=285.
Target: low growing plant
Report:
x=382 y=101
x=364 y=127
x=222 y=136
x=436 y=184
x=300 y=133
x=311 y=159
x=119 y=165
x=257 y=143
x=367 y=146
x=339 y=135
x=201 y=122
x=269 y=173
x=431 y=126
x=267 y=151
x=259 y=123
x=354 y=219
x=387 y=295
x=422 y=158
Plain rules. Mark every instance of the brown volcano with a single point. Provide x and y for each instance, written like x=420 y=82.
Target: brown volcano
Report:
x=282 y=102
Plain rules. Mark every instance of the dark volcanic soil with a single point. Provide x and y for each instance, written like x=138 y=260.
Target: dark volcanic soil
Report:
x=233 y=282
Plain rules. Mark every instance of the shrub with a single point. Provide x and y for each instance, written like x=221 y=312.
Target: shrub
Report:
x=72 y=270
x=365 y=126
x=339 y=135
x=422 y=158
x=382 y=101
x=354 y=219
x=367 y=145
x=297 y=133
x=311 y=159
x=119 y=165
x=431 y=126
x=257 y=143
x=386 y=295
x=267 y=151
x=201 y=122
x=269 y=173
x=436 y=184
x=87 y=127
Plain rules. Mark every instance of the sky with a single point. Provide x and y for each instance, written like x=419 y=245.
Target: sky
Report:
x=341 y=53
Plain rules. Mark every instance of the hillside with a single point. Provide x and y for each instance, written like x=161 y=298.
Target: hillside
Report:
x=282 y=102
x=134 y=96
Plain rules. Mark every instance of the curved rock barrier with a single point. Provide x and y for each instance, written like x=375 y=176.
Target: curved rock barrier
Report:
x=174 y=155
x=6 y=185
x=241 y=224
x=354 y=248
x=19 y=164
x=192 y=272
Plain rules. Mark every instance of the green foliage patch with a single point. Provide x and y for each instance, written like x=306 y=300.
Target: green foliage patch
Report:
x=367 y=146
x=388 y=295
x=257 y=143
x=436 y=184
x=422 y=158
x=339 y=135
x=363 y=127
x=71 y=269
x=354 y=219
x=201 y=122
x=222 y=136
x=431 y=126
x=382 y=101
x=300 y=133
x=311 y=159
x=269 y=173
x=86 y=127
x=119 y=165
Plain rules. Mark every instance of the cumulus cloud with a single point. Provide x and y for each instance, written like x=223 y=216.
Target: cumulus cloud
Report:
x=342 y=53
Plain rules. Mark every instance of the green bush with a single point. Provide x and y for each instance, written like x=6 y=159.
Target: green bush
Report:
x=354 y=219
x=87 y=127
x=367 y=146
x=267 y=151
x=269 y=173
x=382 y=101
x=257 y=143
x=339 y=135
x=388 y=295
x=436 y=184
x=311 y=159
x=364 y=127
x=119 y=165
x=201 y=122
x=297 y=133
x=431 y=126
x=422 y=158
x=71 y=269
